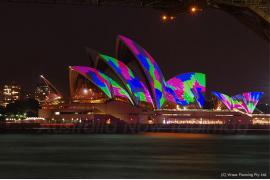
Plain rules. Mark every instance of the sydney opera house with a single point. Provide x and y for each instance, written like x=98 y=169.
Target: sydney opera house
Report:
x=132 y=88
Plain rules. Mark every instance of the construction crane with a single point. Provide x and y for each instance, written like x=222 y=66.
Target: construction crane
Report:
x=255 y=14
x=54 y=96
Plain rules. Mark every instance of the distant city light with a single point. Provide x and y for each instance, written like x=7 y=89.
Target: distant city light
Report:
x=193 y=9
x=10 y=94
x=164 y=17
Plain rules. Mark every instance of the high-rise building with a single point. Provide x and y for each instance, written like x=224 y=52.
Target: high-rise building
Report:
x=1 y=98
x=41 y=93
x=10 y=94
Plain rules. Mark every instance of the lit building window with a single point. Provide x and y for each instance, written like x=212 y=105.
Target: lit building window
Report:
x=10 y=94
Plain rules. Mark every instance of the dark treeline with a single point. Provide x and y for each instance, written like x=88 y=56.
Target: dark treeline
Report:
x=26 y=107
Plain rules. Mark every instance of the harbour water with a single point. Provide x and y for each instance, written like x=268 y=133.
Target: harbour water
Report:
x=146 y=155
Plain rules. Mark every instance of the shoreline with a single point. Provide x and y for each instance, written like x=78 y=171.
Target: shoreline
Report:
x=34 y=128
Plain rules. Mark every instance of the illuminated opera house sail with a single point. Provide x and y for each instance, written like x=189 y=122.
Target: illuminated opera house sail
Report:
x=132 y=86
x=86 y=79
x=134 y=77
x=246 y=101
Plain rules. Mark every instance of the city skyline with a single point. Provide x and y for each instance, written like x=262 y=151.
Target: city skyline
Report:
x=58 y=41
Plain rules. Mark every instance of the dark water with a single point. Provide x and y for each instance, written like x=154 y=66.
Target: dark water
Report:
x=152 y=155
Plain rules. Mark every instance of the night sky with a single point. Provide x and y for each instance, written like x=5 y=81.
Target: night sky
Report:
x=46 y=39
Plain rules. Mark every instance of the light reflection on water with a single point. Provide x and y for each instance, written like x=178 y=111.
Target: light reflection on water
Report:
x=177 y=135
x=147 y=155
x=204 y=136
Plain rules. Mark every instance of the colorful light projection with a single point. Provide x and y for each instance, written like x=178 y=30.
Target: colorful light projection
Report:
x=187 y=88
x=225 y=99
x=133 y=83
x=118 y=91
x=247 y=101
x=238 y=102
x=97 y=78
x=175 y=92
x=150 y=68
x=102 y=81
x=251 y=100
